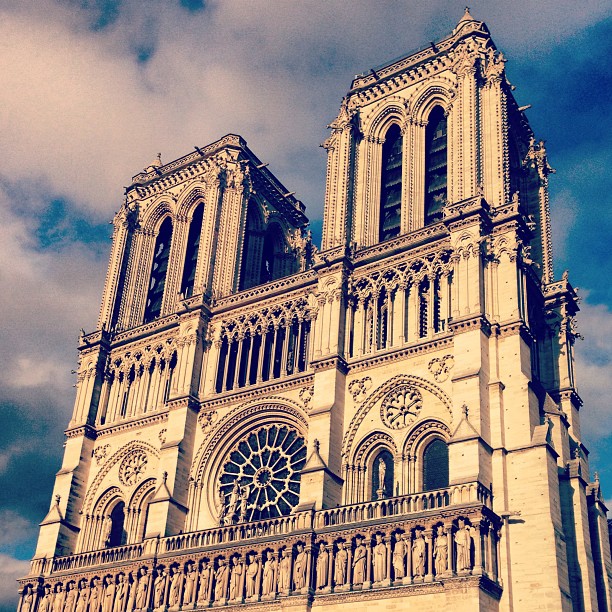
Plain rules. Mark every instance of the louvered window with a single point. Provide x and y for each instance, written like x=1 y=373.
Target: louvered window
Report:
x=391 y=184
x=435 y=165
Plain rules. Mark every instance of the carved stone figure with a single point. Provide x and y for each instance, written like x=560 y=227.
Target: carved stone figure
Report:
x=59 y=598
x=46 y=600
x=341 y=564
x=244 y=500
x=440 y=552
x=27 y=599
x=382 y=472
x=175 y=588
x=95 y=595
x=299 y=567
x=205 y=576
x=72 y=595
x=418 y=554
x=108 y=528
x=83 y=599
x=359 y=562
x=380 y=559
x=191 y=577
x=235 y=578
x=234 y=500
x=399 y=558
x=120 y=593
x=159 y=588
x=322 y=566
x=221 y=581
x=269 y=573
x=142 y=590
x=463 y=540
x=108 y=596
x=284 y=572
x=251 y=575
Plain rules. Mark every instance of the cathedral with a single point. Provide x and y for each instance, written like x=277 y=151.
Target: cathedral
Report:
x=388 y=421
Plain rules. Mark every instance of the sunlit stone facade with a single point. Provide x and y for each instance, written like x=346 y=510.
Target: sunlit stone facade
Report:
x=391 y=419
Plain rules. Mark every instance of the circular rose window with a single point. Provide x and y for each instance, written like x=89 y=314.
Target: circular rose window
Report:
x=260 y=479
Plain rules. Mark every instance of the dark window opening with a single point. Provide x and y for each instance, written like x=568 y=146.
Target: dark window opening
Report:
x=435 y=465
x=382 y=466
x=116 y=537
x=435 y=165
x=159 y=268
x=191 y=254
x=391 y=184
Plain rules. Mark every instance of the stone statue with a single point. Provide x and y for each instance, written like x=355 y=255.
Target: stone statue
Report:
x=191 y=577
x=382 y=471
x=463 y=541
x=269 y=572
x=299 y=567
x=440 y=552
x=176 y=586
x=322 y=566
x=221 y=581
x=95 y=596
x=234 y=589
x=284 y=572
x=108 y=597
x=83 y=598
x=380 y=559
x=27 y=598
x=359 y=562
x=108 y=529
x=399 y=557
x=120 y=593
x=418 y=554
x=46 y=600
x=59 y=598
x=159 y=588
x=72 y=595
x=341 y=564
x=142 y=591
x=232 y=505
x=205 y=576
x=251 y=575
x=244 y=500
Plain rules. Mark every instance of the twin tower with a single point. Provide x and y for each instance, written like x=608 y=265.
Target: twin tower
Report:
x=391 y=419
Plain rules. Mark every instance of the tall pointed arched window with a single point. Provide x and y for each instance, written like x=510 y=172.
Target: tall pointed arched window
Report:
x=435 y=465
x=391 y=184
x=436 y=172
x=159 y=268
x=191 y=255
x=251 y=249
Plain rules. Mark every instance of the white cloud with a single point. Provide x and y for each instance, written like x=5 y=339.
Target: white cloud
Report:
x=563 y=210
x=10 y=570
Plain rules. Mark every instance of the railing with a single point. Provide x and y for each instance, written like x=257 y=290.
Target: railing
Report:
x=466 y=494
x=472 y=492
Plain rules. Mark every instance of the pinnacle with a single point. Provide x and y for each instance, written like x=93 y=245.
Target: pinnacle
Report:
x=466 y=18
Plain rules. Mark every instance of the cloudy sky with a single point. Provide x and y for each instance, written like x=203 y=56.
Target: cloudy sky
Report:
x=92 y=90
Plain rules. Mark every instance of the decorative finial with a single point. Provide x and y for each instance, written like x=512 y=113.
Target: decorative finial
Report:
x=465 y=410
x=597 y=477
x=57 y=499
x=317 y=445
x=165 y=477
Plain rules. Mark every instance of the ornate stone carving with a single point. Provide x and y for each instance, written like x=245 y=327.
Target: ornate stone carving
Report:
x=133 y=467
x=441 y=366
x=359 y=387
x=100 y=453
x=401 y=406
x=306 y=395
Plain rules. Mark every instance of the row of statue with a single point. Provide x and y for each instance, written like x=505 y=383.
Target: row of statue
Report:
x=403 y=558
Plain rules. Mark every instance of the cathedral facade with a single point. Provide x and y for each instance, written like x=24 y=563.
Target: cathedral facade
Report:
x=389 y=421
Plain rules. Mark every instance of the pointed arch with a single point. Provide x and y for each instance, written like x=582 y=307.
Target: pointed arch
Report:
x=192 y=250
x=159 y=269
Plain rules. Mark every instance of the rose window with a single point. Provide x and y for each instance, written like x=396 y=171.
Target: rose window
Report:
x=133 y=468
x=261 y=477
x=401 y=406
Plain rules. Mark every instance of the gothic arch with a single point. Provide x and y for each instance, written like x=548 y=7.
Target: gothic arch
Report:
x=94 y=487
x=370 y=444
x=186 y=203
x=153 y=217
x=378 y=394
x=390 y=110
x=439 y=92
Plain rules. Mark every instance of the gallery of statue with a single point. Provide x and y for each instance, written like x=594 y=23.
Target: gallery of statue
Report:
x=390 y=420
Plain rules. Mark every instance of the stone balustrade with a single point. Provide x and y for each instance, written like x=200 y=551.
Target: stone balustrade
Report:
x=424 y=538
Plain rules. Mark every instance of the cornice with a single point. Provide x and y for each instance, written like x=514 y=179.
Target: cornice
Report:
x=153 y=419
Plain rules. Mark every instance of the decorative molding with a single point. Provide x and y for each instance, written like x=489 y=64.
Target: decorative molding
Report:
x=440 y=367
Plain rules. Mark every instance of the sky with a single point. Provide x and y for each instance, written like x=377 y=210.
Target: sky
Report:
x=92 y=90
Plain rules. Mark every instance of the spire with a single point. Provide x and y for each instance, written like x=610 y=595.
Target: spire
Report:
x=466 y=18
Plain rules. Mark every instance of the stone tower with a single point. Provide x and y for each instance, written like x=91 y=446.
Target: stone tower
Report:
x=391 y=419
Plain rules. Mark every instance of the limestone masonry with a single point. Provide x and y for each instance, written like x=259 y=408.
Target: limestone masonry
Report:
x=390 y=422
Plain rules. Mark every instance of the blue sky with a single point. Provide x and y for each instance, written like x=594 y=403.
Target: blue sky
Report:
x=91 y=90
